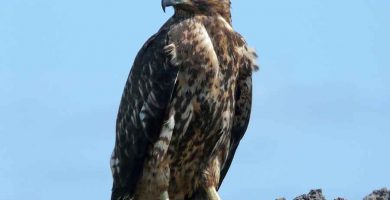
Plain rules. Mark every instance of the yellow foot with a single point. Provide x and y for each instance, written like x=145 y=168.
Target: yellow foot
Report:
x=212 y=194
x=164 y=196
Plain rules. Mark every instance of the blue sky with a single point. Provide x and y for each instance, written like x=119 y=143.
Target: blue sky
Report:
x=321 y=108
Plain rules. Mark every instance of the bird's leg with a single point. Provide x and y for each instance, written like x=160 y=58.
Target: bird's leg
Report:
x=164 y=196
x=211 y=179
x=212 y=194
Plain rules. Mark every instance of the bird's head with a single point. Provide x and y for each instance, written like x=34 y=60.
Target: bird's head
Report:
x=207 y=7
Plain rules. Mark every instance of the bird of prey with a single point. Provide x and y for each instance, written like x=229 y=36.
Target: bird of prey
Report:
x=185 y=106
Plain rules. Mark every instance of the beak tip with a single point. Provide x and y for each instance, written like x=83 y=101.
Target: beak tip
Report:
x=163 y=5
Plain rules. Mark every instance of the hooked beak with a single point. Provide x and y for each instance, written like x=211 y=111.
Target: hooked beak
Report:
x=167 y=3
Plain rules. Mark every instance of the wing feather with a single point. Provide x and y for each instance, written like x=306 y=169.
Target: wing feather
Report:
x=141 y=113
x=243 y=100
x=240 y=122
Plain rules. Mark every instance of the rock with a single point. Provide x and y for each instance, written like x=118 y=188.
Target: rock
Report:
x=313 y=195
x=383 y=194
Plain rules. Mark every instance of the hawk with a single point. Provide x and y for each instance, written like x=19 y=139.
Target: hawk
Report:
x=185 y=107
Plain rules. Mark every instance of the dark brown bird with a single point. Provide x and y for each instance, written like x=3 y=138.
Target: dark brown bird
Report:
x=185 y=106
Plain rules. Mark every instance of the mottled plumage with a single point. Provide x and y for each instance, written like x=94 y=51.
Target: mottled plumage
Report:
x=185 y=106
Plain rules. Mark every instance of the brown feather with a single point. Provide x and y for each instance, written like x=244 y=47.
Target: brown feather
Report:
x=185 y=107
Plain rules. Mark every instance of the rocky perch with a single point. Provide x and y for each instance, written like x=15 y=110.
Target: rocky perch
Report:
x=383 y=194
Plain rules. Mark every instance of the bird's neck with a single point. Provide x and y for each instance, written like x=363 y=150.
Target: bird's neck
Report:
x=227 y=16
x=186 y=14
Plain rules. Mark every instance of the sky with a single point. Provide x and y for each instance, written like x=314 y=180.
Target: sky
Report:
x=321 y=108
